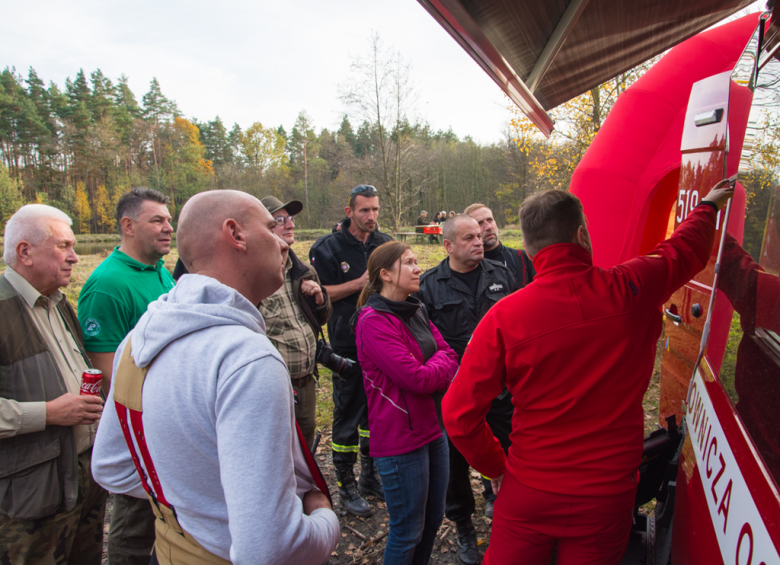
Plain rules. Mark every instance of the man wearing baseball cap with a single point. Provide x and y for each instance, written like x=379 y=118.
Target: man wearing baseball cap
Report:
x=293 y=316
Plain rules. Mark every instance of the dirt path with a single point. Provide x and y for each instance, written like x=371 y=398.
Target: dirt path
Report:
x=354 y=549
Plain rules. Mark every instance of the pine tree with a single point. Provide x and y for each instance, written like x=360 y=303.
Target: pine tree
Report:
x=346 y=133
x=126 y=110
x=303 y=144
x=101 y=101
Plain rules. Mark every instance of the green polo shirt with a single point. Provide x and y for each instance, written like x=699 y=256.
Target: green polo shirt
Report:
x=115 y=296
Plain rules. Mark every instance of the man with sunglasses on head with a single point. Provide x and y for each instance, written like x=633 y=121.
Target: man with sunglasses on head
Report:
x=293 y=317
x=341 y=260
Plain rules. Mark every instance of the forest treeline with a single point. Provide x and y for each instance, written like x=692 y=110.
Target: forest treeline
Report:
x=81 y=147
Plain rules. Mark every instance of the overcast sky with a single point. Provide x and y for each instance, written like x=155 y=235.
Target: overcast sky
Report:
x=250 y=61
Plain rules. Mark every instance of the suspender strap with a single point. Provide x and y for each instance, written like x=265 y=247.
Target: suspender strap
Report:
x=128 y=395
x=527 y=264
x=522 y=282
x=173 y=545
x=121 y=412
x=128 y=388
x=314 y=469
x=140 y=438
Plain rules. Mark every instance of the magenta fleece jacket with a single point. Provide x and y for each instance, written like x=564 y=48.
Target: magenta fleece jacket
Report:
x=398 y=384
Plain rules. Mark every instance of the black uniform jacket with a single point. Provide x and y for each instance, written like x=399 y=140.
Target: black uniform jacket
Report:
x=338 y=258
x=517 y=261
x=450 y=304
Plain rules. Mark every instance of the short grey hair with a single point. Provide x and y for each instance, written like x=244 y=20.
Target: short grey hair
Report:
x=450 y=228
x=31 y=223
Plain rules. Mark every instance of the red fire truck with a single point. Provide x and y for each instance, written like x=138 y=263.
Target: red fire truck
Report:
x=713 y=466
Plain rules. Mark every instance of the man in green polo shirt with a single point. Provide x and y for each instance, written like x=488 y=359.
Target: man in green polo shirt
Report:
x=113 y=299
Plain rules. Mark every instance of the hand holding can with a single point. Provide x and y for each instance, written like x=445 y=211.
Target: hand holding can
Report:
x=91 y=381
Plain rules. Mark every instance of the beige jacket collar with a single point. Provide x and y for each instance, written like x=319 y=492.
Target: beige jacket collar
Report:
x=28 y=291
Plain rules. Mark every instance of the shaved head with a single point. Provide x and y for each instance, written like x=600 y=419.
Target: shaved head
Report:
x=228 y=235
x=201 y=221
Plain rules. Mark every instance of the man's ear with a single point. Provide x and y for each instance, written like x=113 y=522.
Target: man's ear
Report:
x=347 y=211
x=583 y=237
x=234 y=235
x=128 y=226
x=23 y=253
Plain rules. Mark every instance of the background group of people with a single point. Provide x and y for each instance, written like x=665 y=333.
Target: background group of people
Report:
x=199 y=440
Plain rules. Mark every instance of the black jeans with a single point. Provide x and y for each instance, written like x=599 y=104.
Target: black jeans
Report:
x=350 y=416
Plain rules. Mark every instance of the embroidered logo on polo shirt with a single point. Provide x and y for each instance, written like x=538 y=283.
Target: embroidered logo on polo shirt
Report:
x=495 y=287
x=633 y=288
x=344 y=267
x=92 y=327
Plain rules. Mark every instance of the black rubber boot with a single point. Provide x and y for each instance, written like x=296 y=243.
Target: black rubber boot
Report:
x=370 y=482
x=348 y=493
x=467 y=544
x=489 y=508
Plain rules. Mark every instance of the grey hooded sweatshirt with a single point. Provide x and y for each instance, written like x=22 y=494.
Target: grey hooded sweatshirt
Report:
x=219 y=422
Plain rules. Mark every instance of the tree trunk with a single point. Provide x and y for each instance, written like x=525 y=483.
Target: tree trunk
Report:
x=306 y=184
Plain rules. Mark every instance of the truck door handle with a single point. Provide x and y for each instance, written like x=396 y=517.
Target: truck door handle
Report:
x=672 y=316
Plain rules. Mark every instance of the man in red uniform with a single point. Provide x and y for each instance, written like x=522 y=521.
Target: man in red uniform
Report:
x=577 y=363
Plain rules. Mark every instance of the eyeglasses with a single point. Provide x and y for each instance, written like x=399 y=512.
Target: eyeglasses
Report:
x=281 y=220
x=360 y=189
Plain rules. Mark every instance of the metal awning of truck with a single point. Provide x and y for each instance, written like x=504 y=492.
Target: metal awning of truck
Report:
x=543 y=53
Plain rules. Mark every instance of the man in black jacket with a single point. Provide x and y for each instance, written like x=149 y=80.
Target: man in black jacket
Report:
x=341 y=260
x=293 y=317
x=516 y=260
x=457 y=293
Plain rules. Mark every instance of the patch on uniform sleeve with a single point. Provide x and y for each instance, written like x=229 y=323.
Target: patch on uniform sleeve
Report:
x=344 y=266
x=91 y=327
x=633 y=287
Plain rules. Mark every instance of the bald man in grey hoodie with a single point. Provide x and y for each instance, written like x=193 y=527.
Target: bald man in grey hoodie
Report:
x=217 y=403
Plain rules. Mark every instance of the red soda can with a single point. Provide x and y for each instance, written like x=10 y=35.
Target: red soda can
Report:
x=90 y=382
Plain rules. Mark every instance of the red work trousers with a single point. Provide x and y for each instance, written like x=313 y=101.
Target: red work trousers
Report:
x=527 y=523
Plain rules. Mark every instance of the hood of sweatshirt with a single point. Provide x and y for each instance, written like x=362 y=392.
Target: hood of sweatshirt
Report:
x=195 y=303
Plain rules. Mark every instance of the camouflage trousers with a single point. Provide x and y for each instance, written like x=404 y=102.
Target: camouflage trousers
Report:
x=73 y=538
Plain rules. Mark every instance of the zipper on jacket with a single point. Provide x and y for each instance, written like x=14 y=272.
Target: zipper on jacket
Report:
x=408 y=413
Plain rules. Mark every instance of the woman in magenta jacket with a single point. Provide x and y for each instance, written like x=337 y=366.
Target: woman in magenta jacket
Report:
x=404 y=361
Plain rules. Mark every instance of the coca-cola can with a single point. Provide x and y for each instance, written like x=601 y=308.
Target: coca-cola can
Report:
x=90 y=382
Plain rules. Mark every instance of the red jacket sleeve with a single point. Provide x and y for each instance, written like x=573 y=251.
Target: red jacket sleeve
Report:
x=480 y=379
x=674 y=261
